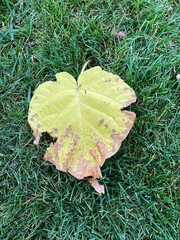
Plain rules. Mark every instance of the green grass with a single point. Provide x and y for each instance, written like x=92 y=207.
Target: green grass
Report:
x=41 y=38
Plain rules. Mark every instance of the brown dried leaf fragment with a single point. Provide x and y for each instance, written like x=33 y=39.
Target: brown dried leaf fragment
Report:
x=120 y=35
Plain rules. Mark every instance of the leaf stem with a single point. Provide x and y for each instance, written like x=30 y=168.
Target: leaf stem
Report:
x=85 y=65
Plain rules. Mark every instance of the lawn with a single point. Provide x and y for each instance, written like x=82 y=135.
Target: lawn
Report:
x=142 y=199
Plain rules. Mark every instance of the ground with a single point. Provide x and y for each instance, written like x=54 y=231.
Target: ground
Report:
x=42 y=38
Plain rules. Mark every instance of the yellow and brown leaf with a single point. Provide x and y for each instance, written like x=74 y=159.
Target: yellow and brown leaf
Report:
x=86 y=117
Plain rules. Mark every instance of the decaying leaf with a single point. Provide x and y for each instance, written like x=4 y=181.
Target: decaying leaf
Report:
x=86 y=118
x=120 y=35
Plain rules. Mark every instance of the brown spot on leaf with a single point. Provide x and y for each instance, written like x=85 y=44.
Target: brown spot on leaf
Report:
x=126 y=89
x=103 y=150
x=117 y=137
x=131 y=115
x=118 y=79
x=55 y=131
x=81 y=171
x=32 y=118
x=95 y=171
x=108 y=80
x=62 y=167
x=128 y=124
x=57 y=146
x=68 y=160
x=93 y=152
x=90 y=171
x=75 y=139
x=133 y=99
x=106 y=126
x=101 y=122
x=66 y=132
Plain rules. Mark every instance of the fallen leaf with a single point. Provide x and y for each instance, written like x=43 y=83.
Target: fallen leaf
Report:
x=86 y=118
x=120 y=35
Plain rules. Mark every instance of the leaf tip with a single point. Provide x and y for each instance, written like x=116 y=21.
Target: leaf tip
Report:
x=37 y=136
x=95 y=184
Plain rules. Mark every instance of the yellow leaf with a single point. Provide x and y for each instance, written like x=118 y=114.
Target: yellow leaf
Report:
x=86 y=117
